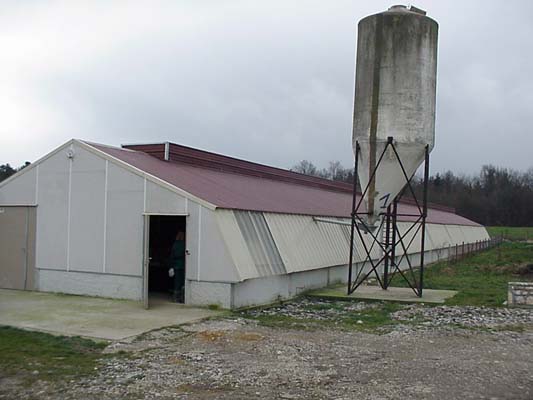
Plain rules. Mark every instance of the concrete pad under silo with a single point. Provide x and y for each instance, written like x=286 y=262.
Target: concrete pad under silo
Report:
x=370 y=292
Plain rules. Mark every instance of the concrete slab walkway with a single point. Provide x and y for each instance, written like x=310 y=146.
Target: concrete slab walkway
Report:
x=90 y=316
x=368 y=292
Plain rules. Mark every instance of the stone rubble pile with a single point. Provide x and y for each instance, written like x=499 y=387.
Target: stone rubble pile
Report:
x=314 y=309
x=415 y=315
x=467 y=316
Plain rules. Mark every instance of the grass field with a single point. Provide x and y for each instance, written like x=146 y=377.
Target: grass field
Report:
x=482 y=278
x=33 y=355
x=511 y=233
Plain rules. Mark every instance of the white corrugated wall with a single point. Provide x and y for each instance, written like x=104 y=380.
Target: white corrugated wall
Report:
x=304 y=243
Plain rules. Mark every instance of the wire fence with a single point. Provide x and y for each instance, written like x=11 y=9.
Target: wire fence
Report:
x=460 y=251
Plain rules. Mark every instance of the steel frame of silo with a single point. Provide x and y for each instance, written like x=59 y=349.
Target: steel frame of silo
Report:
x=394 y=239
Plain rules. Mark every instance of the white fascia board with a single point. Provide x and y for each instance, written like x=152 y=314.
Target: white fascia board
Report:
x=35 y=163
x=144 y=174
x=18 y=205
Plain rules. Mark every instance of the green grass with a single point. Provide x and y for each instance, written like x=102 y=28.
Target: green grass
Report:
x=481 y=279
x=511 y=233
x=370 y=320
x=23 y=353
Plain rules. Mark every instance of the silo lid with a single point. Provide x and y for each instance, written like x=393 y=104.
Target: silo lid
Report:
x=401 y=7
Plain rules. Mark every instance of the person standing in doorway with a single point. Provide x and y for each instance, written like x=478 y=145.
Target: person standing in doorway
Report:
x=177 y=266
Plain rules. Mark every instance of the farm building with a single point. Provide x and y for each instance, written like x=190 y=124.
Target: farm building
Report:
x=99 y=220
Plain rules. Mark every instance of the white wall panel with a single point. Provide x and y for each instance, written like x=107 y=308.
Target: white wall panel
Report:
x=125 y=206
x=216 y=263
x=87 y=200
x=163 y=201
x=52 y=212
x=20 y=190
x=192 y=241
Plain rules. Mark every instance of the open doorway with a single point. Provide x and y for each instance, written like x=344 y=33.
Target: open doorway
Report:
x=166 y=268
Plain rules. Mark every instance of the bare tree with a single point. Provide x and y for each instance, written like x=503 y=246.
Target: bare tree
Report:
x=306 y=167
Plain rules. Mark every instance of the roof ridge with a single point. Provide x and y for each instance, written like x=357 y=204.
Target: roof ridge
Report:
x=217 y=161
x=223 y=188
x=105 y=145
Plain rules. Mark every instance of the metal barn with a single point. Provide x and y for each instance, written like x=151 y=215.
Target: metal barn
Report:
x=93 y=219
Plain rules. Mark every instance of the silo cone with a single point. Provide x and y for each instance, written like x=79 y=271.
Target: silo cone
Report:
x=395 y=91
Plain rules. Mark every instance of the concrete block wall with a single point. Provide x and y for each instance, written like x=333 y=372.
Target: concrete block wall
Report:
x=200 y=293
x=267 y=290
x=89 y=284
x=520 y=294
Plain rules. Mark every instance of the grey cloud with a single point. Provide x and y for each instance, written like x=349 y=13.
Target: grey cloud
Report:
x=270 y=82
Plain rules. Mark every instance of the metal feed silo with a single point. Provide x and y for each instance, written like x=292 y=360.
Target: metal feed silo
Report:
x=394 y=98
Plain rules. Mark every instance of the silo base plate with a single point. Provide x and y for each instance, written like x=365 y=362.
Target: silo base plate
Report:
x=371 y=292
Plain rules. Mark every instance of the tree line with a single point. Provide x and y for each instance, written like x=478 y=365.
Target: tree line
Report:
x=7 y=170
x=494 y=197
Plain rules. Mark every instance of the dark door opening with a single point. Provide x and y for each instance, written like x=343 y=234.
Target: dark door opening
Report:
x=166 y=269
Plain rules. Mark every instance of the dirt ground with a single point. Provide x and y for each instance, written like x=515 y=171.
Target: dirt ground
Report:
x=236 y=358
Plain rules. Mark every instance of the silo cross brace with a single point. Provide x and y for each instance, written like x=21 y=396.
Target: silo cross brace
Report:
x=394 y=246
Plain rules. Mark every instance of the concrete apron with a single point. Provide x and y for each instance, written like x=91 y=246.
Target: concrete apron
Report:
x=90 y=316
x=367 y=292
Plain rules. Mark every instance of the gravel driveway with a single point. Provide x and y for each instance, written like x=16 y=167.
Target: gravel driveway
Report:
x=238 y=358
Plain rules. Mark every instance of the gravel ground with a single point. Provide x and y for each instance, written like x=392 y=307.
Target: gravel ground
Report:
x=237 y=358
x=471 y=317
x=433 y=316
x=314 y=309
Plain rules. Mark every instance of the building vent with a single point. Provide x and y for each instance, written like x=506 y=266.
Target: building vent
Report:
x=260 y=243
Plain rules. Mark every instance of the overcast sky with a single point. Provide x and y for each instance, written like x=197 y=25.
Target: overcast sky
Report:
x=268 y=81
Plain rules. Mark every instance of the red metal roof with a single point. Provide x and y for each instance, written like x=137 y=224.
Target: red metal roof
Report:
x=230 y=183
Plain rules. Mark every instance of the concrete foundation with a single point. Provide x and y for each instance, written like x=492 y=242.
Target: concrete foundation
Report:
x=208 y=293
x=89 y=284
x=259 y=291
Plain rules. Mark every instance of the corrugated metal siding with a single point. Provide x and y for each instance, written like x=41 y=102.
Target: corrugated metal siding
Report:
x=438 y=235
x=474 y=233
x=305 y=244
x=415 y=245
x=263 y=244
x=260 y=243
x=456 y=234
x=374 y=248
x=237 y=248
x=359 y=250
